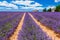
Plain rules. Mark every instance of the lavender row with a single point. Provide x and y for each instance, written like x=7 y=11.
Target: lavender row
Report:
x=51 y=20
x=5 y=16
x=9 y=26
x=31 y=31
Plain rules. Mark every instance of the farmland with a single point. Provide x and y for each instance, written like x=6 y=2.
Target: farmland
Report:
x=29 y=25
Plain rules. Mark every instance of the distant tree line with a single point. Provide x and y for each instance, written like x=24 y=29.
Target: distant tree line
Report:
x=57 y=9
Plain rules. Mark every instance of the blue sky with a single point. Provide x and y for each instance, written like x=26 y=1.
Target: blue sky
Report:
x=27 y=5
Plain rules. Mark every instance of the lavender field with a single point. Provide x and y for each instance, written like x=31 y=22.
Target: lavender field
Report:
x=29 y=25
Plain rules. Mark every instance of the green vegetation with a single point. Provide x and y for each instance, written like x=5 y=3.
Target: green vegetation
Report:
x=57 y=8
x=49 y=10
x=6 y=27
x=44 y=10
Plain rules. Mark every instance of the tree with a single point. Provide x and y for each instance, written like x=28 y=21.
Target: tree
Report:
x=49 y=10
x=57 y=8
x=44 y=10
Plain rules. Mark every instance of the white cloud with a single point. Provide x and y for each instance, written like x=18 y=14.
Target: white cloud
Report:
x=6 y=4
x=26 y=7
x=27 y=3
x=57 y=0
x=35 y=5
x=22 y=2
x=52 y=7
x=32 y=8
x=39 y=8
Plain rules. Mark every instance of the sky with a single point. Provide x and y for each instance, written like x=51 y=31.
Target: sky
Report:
x=27 y=5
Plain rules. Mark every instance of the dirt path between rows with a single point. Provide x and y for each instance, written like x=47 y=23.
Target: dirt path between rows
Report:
x=49 y=32
x=15 y=35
